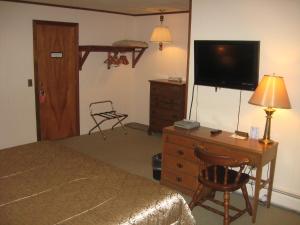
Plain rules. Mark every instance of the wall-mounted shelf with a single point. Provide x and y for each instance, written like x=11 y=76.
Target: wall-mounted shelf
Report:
x=84 y=51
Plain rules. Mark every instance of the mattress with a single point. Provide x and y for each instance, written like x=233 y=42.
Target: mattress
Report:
x=48 y=184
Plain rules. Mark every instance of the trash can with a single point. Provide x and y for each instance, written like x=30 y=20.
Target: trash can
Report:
x=156 y=166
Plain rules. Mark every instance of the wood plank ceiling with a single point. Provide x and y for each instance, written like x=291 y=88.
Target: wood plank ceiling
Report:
x=128 y=7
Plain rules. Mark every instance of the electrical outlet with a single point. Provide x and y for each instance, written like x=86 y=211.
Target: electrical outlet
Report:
x=29 y=82
x=263 y=199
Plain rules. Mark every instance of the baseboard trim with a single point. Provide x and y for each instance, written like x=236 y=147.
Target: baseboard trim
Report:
x=280 y=198
x=137 y=126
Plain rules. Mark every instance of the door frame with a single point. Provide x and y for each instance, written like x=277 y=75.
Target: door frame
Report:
x=36 y=81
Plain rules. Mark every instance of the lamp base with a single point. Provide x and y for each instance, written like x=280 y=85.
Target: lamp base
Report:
x=265 y=141
x=160 y=46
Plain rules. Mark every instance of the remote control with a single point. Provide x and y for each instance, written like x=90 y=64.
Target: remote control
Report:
x=215 y=131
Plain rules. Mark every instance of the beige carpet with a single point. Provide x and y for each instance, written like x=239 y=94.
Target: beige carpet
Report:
x=133 y=152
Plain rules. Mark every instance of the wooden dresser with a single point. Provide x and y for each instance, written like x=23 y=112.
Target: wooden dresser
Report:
x=167 y=104
x=180 y=167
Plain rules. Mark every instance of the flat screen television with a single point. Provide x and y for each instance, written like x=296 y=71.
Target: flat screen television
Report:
x=227 y=64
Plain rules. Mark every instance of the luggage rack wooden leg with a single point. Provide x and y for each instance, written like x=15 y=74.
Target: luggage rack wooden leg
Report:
x=98 y=125
x=123 y=117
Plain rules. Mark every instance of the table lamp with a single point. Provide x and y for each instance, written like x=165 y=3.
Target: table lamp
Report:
x=271 y=93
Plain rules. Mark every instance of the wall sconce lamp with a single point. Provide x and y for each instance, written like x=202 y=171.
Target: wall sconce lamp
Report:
x=271 y=93
x=161 y=34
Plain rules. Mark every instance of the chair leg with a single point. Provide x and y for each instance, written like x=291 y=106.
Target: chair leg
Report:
x=226 y=207
x=213 y=194
x=196 y=196
x=246 y=197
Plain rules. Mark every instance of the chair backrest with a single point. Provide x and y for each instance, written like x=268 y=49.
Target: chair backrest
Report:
x=214 y=164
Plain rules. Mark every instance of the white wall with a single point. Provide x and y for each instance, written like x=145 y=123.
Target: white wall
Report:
x=127 y=87
x=18 y=122
x=155 y=64
x=276 y=24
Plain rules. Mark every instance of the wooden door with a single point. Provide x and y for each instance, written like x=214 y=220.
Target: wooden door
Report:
x=56 y=79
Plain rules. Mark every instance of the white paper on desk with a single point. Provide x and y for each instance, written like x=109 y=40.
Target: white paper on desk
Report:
x=237 y=136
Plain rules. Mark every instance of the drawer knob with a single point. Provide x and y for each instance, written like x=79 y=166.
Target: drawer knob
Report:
x=178 y=179
x=179 y=165
x=180 y=152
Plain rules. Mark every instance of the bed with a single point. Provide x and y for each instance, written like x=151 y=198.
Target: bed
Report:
x=48 y=184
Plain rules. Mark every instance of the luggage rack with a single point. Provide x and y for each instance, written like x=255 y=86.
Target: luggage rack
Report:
x=105 y=116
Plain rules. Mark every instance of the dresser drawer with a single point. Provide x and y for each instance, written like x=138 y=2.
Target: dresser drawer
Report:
x=166 y=102
x=180 y=179
x=158 y=124
x=166 y=114
x=176 y=107
x=167 y=91
x=180 y=152
x=180 y=165
x=182 y=141
x=220 y=149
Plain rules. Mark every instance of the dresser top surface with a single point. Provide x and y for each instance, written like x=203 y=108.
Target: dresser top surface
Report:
x=166 y=81
x=224 y=138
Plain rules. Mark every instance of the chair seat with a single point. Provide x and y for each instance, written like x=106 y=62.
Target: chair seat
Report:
x=215 y=174
x=219 y=184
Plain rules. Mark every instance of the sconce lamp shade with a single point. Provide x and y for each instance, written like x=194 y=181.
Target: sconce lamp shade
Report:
x=161 y=34
x=271 y=92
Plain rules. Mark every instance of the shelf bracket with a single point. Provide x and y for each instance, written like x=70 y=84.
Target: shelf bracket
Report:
x=82 y=58
x=108 y=64
x=136 y=59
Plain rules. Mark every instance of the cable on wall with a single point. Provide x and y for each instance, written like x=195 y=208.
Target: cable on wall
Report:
x=192 y=102
x=197 y=104
x=239 y=111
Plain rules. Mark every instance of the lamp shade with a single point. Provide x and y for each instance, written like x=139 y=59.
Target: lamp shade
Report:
x=271 y=92
x=161 y=34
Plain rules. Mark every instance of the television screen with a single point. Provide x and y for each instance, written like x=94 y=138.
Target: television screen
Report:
x=227 y=64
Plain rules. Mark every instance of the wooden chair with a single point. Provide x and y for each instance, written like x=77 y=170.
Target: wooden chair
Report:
x=107 y=112
x=215 y=174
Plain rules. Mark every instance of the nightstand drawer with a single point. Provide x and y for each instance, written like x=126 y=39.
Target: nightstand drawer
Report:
x=180 y=165
x=181 y=179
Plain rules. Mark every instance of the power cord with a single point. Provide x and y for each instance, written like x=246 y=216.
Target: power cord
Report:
x=239 y=111
x=251 y=182
x=197 y=104
x=192 y=102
